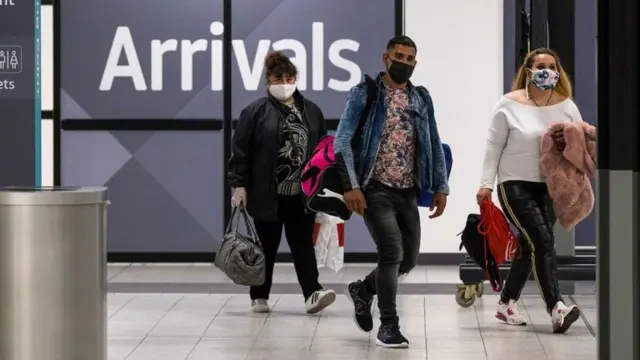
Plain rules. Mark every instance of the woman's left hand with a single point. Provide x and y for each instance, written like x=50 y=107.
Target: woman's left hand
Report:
x=558 y=138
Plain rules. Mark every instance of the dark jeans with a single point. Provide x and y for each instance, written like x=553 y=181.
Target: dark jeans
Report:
x=394 y=223
x=529 y=208
x=298 y=228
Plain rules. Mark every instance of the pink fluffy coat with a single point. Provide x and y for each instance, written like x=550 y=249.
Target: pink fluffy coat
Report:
x=567 y=172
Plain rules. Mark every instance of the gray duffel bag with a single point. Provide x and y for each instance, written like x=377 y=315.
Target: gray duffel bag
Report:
x=240 y=256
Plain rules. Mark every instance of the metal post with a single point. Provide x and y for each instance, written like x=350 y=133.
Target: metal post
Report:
x=53 y=273
x=618 y=243
x=539 y=24
x=540 y=31
x=523 y=30
x=561 y=20
x=227 y=104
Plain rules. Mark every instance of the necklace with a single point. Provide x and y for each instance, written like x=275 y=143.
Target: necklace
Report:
x=536 y=102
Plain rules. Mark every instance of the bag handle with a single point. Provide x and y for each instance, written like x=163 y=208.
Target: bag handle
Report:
x=248 y=221
x=372 y=92
x=232 y=226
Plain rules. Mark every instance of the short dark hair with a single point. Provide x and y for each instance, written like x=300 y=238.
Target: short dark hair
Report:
x=277 y=63
x=401 y=40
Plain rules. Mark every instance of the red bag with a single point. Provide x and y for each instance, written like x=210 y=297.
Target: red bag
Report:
x=498 y=237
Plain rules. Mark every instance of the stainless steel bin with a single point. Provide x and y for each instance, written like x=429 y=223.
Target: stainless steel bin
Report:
x=53 y=273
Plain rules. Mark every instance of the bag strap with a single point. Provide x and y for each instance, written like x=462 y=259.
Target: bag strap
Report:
x=372 y=91
x=232 y=226
x=253 y=234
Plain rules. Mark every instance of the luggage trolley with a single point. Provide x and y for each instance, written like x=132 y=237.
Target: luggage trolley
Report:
x=581 y=267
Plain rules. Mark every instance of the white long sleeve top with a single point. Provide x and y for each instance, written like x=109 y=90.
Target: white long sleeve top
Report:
x=513 y=145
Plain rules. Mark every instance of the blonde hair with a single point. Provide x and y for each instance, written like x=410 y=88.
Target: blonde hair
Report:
x=563 y=87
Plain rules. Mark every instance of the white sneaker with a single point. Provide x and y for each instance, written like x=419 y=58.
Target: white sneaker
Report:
x=260 y=306
x=563 y=316
x=319 y=300
x=510 y=314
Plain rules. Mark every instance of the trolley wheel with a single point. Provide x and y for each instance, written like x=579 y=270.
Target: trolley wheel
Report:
x=466 y=295
x=480 y=289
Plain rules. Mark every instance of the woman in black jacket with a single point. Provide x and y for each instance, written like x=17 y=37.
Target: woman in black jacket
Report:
x=274 y=137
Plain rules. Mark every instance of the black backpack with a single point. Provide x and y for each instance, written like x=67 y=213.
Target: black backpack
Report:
x=372 y=91
x=478 y=249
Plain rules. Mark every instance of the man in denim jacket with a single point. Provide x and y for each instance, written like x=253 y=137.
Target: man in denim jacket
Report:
x=384 y=164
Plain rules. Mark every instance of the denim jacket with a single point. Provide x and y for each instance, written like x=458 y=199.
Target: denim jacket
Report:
x=356 y=165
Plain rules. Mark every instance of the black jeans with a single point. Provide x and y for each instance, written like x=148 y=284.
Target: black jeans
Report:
x=298 y=228
x=394 y=223
x=529 y=208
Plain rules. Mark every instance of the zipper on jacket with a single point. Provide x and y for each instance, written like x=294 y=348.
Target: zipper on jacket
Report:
x=306 y=123
x=274 y=174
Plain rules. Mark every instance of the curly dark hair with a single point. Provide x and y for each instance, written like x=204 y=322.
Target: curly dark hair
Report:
x=278 y=64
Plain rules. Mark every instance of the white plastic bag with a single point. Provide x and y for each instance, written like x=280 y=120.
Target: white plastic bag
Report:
x=328 y=238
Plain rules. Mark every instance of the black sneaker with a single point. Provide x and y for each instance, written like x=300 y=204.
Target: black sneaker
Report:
x=389 y=336
x=362 y=305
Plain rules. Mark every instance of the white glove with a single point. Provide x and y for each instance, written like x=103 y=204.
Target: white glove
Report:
x=239 y=197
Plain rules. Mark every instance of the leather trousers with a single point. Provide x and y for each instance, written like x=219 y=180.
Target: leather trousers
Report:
x=529 y=208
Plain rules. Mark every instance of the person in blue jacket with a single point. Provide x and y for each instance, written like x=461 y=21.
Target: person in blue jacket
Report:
x=384 y=163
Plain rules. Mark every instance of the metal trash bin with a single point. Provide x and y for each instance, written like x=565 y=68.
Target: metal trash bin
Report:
x=53 y=273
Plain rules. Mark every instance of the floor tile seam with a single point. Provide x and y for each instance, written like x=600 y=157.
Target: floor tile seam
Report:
x=122 y=307
x=262 y=327
x=207 y=328
x=591 y=329
x=315 y=330
x=546 y=355
x=424 y=321
x=134 y=348
x=484 y=346
x=118 y=272
x=155 y=325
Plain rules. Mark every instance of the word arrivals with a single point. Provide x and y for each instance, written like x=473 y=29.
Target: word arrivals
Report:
x=250 y=71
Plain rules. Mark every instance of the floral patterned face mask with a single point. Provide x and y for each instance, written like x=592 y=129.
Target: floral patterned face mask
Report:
x=544 y=79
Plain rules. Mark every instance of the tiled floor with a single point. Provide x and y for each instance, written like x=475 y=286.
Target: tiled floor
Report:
x=212 y=327
x=219 y=327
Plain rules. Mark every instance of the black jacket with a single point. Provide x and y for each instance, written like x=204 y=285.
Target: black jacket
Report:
x=256 y=142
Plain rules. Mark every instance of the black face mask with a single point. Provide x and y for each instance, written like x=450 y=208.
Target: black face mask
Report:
x=400 y=72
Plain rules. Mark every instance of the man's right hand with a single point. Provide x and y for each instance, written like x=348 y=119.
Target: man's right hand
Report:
x=355 y=201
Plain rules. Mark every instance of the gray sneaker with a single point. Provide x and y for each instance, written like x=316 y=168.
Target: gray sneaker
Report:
x=260 y=306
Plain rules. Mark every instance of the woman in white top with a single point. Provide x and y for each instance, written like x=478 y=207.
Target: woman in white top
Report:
x=541 y=95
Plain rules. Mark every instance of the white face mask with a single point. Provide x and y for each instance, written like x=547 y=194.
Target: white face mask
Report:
x=544 y=79
x=282 y=92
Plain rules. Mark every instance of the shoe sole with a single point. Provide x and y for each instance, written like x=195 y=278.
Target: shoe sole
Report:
x=355 y=316
x=260 y=310
x=323 y=303
x=569 y=319
x=503 y=318
x=403 y=345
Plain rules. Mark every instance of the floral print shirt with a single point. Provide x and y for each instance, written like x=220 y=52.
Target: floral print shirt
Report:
x=396 y=156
